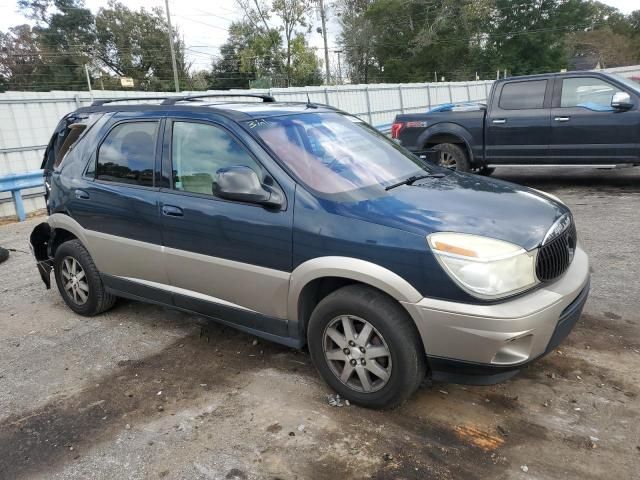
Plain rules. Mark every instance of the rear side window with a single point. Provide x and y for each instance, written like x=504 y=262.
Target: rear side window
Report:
x=523 y=95
x=75 y=131
x=127 y=155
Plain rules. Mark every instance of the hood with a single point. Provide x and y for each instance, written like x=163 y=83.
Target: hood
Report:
x=462 y=203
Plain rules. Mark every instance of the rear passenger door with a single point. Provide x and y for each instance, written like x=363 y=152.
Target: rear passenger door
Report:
x=586 y=129
x=227 y=259
x=518 y=122
x=116 y=202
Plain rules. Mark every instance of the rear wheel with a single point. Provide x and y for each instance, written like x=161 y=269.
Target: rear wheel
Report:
x=79 y=281
x=452 y=156
x=366 y=347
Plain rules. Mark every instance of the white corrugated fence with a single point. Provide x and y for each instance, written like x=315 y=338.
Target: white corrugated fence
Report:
x=27 y=119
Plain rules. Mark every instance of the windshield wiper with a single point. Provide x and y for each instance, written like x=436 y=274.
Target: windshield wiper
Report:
x=414 y=178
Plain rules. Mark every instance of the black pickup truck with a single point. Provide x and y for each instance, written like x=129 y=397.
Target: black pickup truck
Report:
x=574 y=118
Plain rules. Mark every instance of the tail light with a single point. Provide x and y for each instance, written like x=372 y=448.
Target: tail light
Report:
x=396 y=127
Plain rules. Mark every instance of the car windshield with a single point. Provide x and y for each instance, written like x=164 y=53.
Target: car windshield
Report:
x=333 y=153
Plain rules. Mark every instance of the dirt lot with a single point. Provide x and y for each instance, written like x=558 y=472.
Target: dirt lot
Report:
x=139 y=393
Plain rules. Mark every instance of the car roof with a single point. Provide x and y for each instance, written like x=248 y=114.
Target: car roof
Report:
x=580 y=73
x=235 y=110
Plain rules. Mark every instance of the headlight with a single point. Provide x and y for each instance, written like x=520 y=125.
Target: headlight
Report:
x=485 y=267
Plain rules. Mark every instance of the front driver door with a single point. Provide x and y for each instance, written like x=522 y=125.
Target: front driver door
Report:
x=586 y=129
x=226 y=259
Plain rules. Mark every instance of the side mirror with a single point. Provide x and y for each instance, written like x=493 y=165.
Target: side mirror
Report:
x=242 y=184
x=621 y=101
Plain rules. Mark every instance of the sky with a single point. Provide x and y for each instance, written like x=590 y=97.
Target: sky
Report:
x=204 y=23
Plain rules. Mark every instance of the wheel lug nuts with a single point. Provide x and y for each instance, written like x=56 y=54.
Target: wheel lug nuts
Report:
x=362 y=349
x=352 y=343
x=363 y=362
x=353 y=362
x=346 y=351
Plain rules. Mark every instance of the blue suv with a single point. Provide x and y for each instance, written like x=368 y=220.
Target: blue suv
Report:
x=303 y=225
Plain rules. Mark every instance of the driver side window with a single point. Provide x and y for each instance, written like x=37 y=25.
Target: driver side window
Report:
x=587 y=92
x=199 y=150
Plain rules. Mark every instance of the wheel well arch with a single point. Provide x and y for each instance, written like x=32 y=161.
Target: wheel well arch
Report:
x=58 y=237
x=318 y=289
x=447 y=137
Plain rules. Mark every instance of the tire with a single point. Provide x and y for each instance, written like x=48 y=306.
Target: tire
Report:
x=391 y=327
x=452 y=156
x=486 y=171
x=73 y=260
x=4 y=254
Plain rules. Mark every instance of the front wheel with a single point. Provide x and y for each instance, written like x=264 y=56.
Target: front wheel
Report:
x=366 y=347
x=452 y=156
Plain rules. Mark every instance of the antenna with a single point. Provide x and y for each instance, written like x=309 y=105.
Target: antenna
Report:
x=309 y=104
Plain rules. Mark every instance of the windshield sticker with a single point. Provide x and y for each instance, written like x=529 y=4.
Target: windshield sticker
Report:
x=260 y=122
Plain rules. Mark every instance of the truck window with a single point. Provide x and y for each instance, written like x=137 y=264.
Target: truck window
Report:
x=523 y=95
x=587 y=92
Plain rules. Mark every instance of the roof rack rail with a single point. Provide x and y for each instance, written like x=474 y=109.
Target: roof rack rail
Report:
x=98 y=103
x=189 y=98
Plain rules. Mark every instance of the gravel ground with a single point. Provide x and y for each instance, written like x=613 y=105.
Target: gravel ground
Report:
x=146 y=392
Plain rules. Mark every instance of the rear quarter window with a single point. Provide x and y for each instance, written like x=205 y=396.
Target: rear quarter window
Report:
x=523 y=95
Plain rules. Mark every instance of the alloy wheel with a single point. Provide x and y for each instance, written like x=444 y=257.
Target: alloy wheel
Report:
x=74 y=280
x=357 y=354
x=447 y=160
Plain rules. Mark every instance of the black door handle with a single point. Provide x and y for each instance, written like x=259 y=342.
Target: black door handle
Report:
x=171 y=211
x=81 y=195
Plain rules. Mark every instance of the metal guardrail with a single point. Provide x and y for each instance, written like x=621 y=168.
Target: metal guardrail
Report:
x=18 y=181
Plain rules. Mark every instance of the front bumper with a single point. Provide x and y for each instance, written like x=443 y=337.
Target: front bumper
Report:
x=484 y=344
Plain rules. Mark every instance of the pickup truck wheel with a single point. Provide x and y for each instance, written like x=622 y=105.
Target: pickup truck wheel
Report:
x=452 y=156
x=79 y=281
x=366 y=347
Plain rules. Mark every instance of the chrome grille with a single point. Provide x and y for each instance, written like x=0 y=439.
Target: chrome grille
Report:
x=555 y=257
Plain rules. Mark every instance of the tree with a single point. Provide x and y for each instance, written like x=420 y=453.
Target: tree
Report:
x=134 y=44
x=355 y=38
x=20 y=62
x=254 y=54
x=612 y=39
x=304 y=67
x=63 y=35
x=292 y=14
x=411 y=40
x=250 y=52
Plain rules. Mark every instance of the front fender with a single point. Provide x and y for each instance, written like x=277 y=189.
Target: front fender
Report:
x=352 y=269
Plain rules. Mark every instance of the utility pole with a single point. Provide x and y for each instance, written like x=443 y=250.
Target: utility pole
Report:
x=339 y=82
x=324 y=36
x=86 y=71
x=173 y=54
